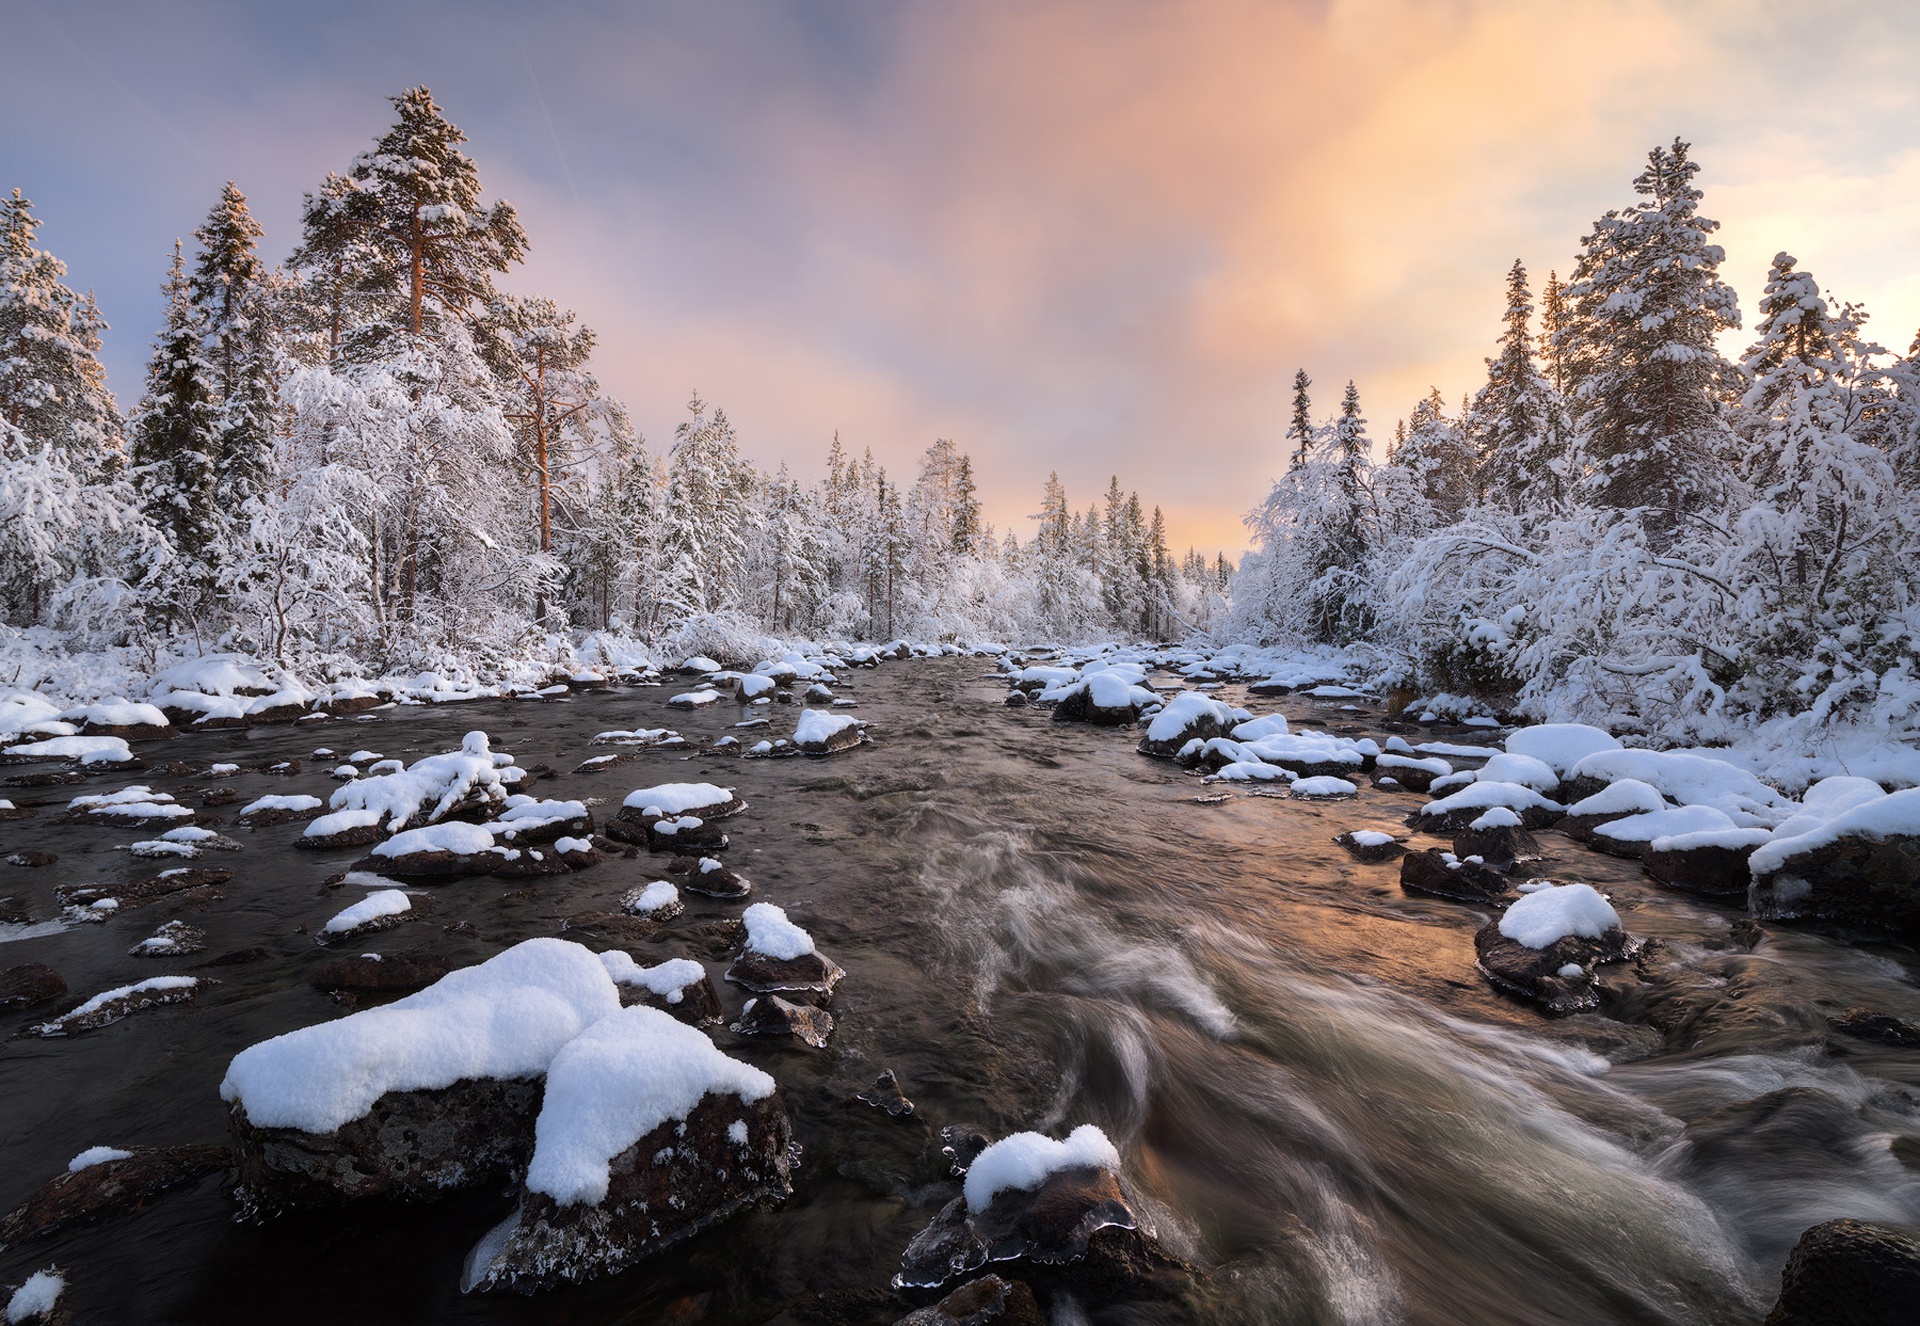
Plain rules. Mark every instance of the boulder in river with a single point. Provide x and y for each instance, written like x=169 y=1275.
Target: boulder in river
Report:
x=29 y=984
x=1861 y=868
x=91 y=1191
x=779 y=957
x=679 y=987
x=770 y=1015
x=109 y=1006
x=381 y=973
x=648 y=1134
x=1188 y=716
x=1444 y=875
x=32 y=859
x=1497 y=838
x=705 y=875
x=1713 y=863
x=988 y=1301
x=1546 y=946
x=822 y=732
x=169 y=884
x=1370 y=845
x=1850 y=1273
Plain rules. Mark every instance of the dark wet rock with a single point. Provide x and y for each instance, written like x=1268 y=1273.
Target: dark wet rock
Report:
x=1717 y=872
x=31 y=859
x=168 y=884
x=885 y=1094
x=1747 y=933
x=1079 y=1229
x=510 y=863
x=220 y=796
x=1017 y=700
x=1795 y=1128
x=1370 y=851
x=706 y=876
x=358 y=835
x=130 y=731
x=281 y=768
x=611 y=926
x=175 y=939
x=238 y=957
x=268 y=816
x=1077 y=706
x=716 y=939
x=1580 y=827
x=106 y=1009
x=685 y=833
x=682 y=1177
x=1617 y=1042
x=29 y=984
x=352 y=704
x=419 y=906
x=50 y=778
x=840 y=739
x=818 y=693
x=1269 y=687
x=1454 y=821
x=390 y=973
x=1854 y=880
x=1850 y=1273
x=14 y=911
x=770 y=1015
x=809 y=974
x=988 y=1301
x=1203 y=725
x=108 y=1189
x=1498 y=846
x=10 y=812
x=1867 y=1025
x=1559 y=977
x=961 y=1144
x=1443 y=875
x=411 y=1146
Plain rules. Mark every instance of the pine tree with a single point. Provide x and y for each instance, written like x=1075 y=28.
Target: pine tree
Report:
x=1300 y=424
x=1508 y=424
x=1647 y=302
x=414 y=203
x=52 y=386
x=175 y=438
x=965 y=539
x=230 y=292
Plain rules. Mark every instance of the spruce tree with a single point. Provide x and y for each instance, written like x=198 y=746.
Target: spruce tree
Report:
x=1508 y=424
x=175 y=437
x=966 y=510
x=1300 y=424
x=52 y=386
x=1647 y=301
x=229 y=291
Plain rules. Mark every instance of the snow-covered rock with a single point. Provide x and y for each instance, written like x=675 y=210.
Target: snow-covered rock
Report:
x=109 y=1006
x=770 y=1015
x=1629 y=835
x=428 y=790
x=379 y=910
x=654 y=901
x=1860 y=867
x=1186 y=717
x=1687 y=779
x=679 y=986
x=1546 y=945
x=779 y=957
x=1442 y=874
x=706 y=876
x=1713 y=862
x=1560 y=746
x=1615 y=801
x=1370 y=844
x=822 y=732
x=1457 y=810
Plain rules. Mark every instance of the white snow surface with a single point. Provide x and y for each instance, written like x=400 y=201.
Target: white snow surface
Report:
x=1024 y=1161
x=87 y=750
x=387 y=902
x=1895 y=815
x=456 y=836
x=1186 y=709
x=37 y=1297
x=1253 y=771
x=1629 y=796
x=678 y=798
x=1481 y=796
x=1825 y=799
x=116 y=713
x=1267 y=725
x=295 y=802
x=1735 y=839
x=1370 y=837
x=1644 y=828
x=818 y=725
x=138 y=987
x=614 y=1083
x=658 y=894
x=505 y=1019
x=1692 y=780
x=1526 y=770
x=666 y=979
x=1432 y=764
x=428 y=788
x=772 y=935
x=1560 y=745
x=96 y=1155
x=1323 y=786
x=1497 y=817
x=1545 y=915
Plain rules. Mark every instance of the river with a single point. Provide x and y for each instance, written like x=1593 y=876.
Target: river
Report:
x=1320 y=1101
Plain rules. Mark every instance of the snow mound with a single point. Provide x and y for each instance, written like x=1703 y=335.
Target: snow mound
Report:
x=296 y=803
x=1894 y=815
x=1732 y=839
x=667 y=979
x=1183 y=711
x=818 y=725
x=387 y=902
x=455 y=836
x=1267 y=725
x=1483 y=796
x=1370 y=837
x=1526 y=770
x=505 y=1018
x=116 y=713
x=1692 y=780
x=1629 y=796
x=37 y=1298
x=96 y=1155
x=1253 y=771
x=87 y=750
x=1671 y=823
x=1323 y=786
x=1543 y=916
x=772 y=935
x=617 y=1081
x=678 y=798
x=1496 y=817
x=1024 y=1161
x=1560 y=746
x=429 y=788
x=655 y=897
x=1826 y=799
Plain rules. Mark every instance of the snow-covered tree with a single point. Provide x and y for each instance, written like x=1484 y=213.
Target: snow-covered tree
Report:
x=1510 y=421
x=232 y=295
x=707 y=522
x=52 y=386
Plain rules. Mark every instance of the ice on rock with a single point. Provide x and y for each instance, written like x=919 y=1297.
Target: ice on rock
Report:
x=455 y=836
x=1560 y=745
x=772 y=935
x=505 y=1018
x=614 y=1083
x=1024 y=1161
x=373 y=907
x=1545 y=915
x=96 y=1155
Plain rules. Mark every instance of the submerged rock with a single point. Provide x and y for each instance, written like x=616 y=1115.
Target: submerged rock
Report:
x=1444 y=875
x=166 y=884
x=885 y=1094
x=374 y=973
x=108 y=1188
x=29 y=984
x=31 y=859
x=1850 y=1273
x=1370 y=845
x=770 y=1015
x=1867 y=1025
x=705 y=875
x=988 y=1301
x=172 y=940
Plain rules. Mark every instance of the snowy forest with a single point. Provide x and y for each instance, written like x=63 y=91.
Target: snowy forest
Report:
x=1622 y=525
x=370 y=457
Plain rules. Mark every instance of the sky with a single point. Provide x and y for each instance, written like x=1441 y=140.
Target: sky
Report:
x=1091 y=236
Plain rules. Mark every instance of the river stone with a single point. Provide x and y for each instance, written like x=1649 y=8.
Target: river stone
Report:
x=1716 y=872
x=613 y=926
x=411 y=1146
x=389 y=973
x=809 y=974
x=166 y=884
x=885 y=1094
x=358 y=835
x=704 y=875
x=268 y=816
x=1457 y=880
x=1850 y=1273
x=1498 y=847
x=1536 y=973
x=630 y=903
x=29 y=984
x=699 y=1004
x=682 y=1177
x=14 y=911
x=1078 y=1229
x=113 y=1010
x=130 y=731
x=106 y=1190
x=1203 y=726
x=1580 y=827
x=514 y=863
x=17 y=813
x=1853 y=880
x=1370 y=852
x=173 y=939
x=32 y=859
x=988 y=1301
x=675 y=835
x=770 y=1015
x=1867 y=1025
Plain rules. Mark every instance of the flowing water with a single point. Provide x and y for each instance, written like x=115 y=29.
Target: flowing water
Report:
x=1318 y=1099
